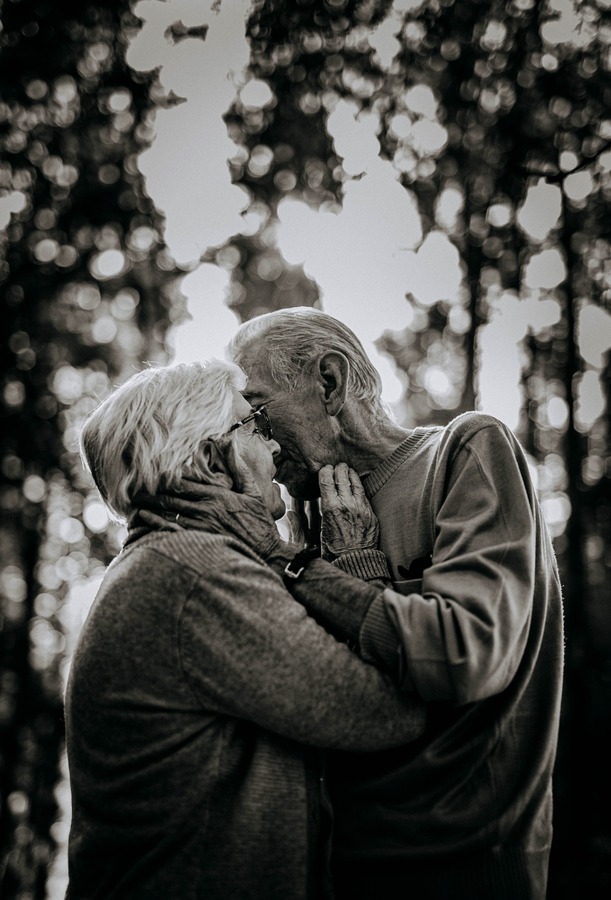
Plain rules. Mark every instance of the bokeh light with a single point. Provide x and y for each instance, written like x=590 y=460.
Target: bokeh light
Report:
x=436 y=175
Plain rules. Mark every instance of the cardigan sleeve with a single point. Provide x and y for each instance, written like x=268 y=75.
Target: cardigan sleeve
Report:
x=249 y=650
x=461 y=632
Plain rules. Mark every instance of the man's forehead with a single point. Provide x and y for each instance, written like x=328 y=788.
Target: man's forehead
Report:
x=255 y=398
x=259 y=383
x=257 y=393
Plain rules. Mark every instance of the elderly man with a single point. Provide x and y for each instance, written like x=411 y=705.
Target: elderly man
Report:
x=471 y=620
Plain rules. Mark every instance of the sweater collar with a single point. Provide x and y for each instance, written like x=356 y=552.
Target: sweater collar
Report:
x=380 y=475
x=192 y=504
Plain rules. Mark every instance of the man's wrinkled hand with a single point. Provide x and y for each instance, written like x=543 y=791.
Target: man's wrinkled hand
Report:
x=348 y=521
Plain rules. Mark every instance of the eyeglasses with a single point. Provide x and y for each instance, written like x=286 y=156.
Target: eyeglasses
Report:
x=263 y=426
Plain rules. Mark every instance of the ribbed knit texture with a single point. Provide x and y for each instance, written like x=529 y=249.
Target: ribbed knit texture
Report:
x=366 y=564
x=381 y=474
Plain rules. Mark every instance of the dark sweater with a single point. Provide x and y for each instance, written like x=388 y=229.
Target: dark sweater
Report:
x=198 y=703
x=473 y=623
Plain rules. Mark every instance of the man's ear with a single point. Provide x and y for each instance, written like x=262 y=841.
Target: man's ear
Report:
x=333 y=371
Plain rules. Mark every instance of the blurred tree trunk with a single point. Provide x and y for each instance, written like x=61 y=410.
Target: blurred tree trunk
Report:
x=73 y=118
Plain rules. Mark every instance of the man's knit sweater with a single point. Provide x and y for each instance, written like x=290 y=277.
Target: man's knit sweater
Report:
x=473 y=623
x=199 y=700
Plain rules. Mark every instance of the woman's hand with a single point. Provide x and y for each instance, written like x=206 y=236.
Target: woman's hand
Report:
x=348 y=521
x=229 y=503
x=248 y=518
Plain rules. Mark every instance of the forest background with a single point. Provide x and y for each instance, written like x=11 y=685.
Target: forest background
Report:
x=437 y=173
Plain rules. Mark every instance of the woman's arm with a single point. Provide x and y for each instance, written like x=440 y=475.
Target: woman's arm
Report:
x=249 y=650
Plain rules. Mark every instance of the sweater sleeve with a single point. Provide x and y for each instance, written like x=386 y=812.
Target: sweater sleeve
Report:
x=339 y=594
x=461 y=633
x=249 y=650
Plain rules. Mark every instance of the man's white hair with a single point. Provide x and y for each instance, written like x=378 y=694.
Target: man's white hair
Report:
x=148 y=431
x=294 y=339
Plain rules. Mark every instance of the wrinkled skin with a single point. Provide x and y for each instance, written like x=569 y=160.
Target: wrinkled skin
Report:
x=348 y=521
x=233 y=504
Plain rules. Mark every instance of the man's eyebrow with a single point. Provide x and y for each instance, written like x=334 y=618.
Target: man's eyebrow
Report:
x=253 y=398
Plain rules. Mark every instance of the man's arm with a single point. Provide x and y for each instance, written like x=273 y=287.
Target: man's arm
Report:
x=461 y=636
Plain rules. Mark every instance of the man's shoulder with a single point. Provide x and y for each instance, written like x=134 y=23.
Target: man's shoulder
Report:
x=481 y=433
x=463 y=425
x=467 y=424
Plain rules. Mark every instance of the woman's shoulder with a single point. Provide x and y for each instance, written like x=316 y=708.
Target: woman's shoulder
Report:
x=194 y=550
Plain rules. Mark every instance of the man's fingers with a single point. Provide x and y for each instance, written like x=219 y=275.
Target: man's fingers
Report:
x=347 y=483
x=341 y=476
x=325 y=476
x=328 y=490
x=346 y=478
x=356 y=483
x=340 y=485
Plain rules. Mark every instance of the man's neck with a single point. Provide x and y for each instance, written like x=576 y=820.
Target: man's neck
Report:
x=365 y=443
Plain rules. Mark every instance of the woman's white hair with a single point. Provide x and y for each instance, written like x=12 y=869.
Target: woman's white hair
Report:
x=294 y=339
x=147 y=432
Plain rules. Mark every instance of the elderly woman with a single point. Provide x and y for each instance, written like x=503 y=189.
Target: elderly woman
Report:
x=201 y=695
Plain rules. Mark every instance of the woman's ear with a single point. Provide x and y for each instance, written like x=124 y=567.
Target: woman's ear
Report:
x=333 y=372
x=210 y=464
